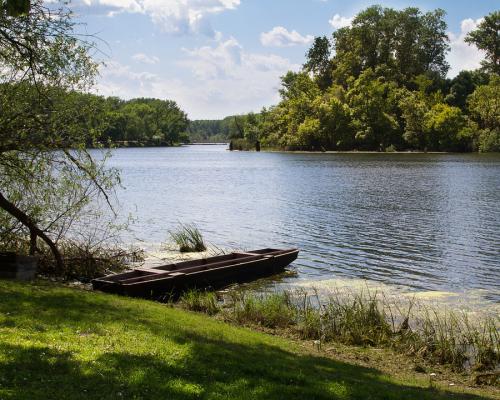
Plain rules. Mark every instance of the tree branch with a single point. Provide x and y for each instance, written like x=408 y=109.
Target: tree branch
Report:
x=25 y=219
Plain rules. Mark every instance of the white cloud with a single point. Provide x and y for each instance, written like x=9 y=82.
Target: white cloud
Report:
x=225 y=80
x=338 y=21
x=232 y=80
x=145 y=59
x=174 y=16
x=281 y=37
x=119 y=80
x=463 y=56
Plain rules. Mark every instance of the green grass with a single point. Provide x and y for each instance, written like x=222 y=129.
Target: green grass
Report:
x=188 y=238
x=364 y=318
x=62 y=343
x=205 y=302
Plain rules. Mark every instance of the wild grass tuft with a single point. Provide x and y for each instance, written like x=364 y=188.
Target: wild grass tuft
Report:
x=189 y=238
x=205 y=302
x=366 y=318
x=269 y=310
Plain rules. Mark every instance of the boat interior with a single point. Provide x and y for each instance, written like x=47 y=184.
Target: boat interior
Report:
x=176 y=269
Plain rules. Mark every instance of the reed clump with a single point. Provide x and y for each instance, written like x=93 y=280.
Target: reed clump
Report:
x=205 y=302
x=188 y=238
x=367 y=318
x=272 y=310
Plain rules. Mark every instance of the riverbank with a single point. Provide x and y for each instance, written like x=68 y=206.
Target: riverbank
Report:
x=58 y=342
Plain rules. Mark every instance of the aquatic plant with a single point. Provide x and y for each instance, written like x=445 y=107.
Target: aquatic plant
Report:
x=205 y=302
x=189 y=238
x=269 y=310
x=369 y=318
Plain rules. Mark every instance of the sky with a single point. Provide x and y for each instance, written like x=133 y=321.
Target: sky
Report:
x=222 y=57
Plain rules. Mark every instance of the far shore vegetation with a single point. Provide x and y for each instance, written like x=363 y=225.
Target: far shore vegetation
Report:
x=379 y=85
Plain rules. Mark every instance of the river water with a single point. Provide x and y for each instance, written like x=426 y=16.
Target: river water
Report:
x=419 y=221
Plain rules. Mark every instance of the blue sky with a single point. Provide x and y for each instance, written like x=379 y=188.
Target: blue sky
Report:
x=223 y=57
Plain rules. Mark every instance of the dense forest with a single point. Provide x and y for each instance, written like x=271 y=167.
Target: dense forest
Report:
x=143 y=122
x=380 y=85
x=218 y=130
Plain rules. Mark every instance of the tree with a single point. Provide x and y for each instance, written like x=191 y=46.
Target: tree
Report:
x=318 y=61
x=414 y=108
x=484 y=105
x=487 y=38
x=463 y=85
x=374 y=107
x=399 y=44
x=45 y=125
x=446 y=128
x=14 y=8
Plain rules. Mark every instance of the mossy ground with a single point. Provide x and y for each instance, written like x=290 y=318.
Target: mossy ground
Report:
x=63 y=343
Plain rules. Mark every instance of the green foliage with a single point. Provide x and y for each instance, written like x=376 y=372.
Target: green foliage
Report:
x=484 y=106
x=205 y=302
x=48 y=181
x=489 y=140
x=373 y=102
x=404 y=43
x=487 y=38
x=383 y=89
x=464 y=85
x=318 y=61
x=214 y=131
x=414 y=107
x=445 y=128
x=15 y=8
x=270 y=311
x=241 y=145
x=368 y=319
x=143 y=121
x=188 y=238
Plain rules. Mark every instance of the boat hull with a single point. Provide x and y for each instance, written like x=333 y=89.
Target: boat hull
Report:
x=215 y=276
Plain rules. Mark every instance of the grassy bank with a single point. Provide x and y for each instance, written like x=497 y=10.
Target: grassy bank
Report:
x=365 y=318
x=57 y=342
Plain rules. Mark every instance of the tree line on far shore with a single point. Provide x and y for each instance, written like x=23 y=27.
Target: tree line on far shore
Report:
x=143 y=121
x=380 y=85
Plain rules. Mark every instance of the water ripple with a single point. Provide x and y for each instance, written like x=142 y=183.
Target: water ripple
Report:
x=422 y=221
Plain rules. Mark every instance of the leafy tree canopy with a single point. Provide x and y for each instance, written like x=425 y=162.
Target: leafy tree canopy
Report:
x=487 y=37
x=380 y=84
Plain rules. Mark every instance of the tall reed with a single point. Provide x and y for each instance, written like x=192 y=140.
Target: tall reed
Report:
x=189 y=238
x=369 y=318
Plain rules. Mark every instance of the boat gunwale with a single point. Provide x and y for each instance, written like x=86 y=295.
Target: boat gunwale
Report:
x=204 y=268
x=263 y=258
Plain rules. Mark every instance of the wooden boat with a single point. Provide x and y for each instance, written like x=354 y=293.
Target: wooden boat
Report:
x=212 y=272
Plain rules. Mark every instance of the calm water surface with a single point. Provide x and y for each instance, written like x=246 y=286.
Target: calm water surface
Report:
x=424 y=221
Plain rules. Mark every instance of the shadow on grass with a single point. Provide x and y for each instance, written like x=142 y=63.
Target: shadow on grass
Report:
x=213 y=367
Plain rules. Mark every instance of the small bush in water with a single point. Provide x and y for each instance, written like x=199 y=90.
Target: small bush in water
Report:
x=189 y=238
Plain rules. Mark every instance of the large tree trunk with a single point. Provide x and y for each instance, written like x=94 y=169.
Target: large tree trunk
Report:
x=35 y=231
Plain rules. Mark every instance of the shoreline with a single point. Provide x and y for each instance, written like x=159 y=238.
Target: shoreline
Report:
x=358 y=152
x=469 y=300
x=100 y=337
x=271 y=150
